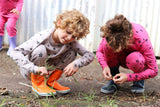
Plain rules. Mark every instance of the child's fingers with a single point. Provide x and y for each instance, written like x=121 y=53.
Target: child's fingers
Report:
x=15 y=11
x=109 y=74
x=67 y=71
x=43 y=72
x=107 y=77
x=117 y=76
x=11 y=11
x=73 y=72
x=118 y=79
x=70 y=73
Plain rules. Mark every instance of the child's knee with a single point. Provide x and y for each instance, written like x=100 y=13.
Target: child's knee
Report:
x=11 y=30
x=135 y=61
x=39 y=53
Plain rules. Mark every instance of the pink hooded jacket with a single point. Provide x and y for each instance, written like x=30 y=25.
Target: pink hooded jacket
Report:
x=7 y=5
x=141 y=44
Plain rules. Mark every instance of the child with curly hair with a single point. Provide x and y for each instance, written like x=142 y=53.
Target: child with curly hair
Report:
x=9 y=13
x=56 y=47
x=125 y=44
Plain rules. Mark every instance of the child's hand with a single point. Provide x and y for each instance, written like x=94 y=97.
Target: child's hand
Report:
x=107 y=73
x=70 y=69
x=15 y=11
x=120 y=78
x=42 y=71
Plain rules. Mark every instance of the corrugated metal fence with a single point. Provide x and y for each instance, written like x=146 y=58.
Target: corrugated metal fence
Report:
x=38 y=15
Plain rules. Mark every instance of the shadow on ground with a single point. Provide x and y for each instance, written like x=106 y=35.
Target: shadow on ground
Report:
x=85 y=89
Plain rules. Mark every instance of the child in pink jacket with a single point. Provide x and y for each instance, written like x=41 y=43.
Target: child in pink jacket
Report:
x=125 y=44
x=9 y=13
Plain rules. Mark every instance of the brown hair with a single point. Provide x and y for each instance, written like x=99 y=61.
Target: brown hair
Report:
x=75 y=22
x=118 y=33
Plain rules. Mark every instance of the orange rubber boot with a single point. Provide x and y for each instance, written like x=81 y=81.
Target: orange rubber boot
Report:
x=52 y=82
x=39 y=86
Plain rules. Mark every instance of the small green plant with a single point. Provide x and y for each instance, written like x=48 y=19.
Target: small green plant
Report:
x=51 y=68
x=47 y=103
x=144 y=97
x=79 y=95
x=48 y=67
x=75 y=80
x=2 y=104
x=52 y=94
x=111 y=101
x=90 y=97
x=21 y=105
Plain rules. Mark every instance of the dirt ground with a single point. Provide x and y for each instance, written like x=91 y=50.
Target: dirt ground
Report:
x=84 y=82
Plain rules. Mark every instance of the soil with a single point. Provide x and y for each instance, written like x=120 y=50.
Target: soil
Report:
x=86 y=82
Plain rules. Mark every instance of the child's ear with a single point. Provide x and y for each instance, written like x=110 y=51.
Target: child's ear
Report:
x=58 y=22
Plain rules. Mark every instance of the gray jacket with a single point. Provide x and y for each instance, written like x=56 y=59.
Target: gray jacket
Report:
x=21 y=54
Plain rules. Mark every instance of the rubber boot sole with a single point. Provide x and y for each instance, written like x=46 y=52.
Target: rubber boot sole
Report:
x=107 y=92
x=138 y=91
x=63 y=92
x=44 y=94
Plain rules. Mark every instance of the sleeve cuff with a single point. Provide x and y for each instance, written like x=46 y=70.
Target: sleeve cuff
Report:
x=129 y=77
x=35 y=69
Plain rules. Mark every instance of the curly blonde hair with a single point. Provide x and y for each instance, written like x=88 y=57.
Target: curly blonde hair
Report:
x=75 y=22
x=118 y=33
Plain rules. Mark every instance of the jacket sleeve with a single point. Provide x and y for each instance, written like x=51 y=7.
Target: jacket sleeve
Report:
x=86 y=56
x=21 y=54
x=19 y=5
x=101 y=54
x=151 y=70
